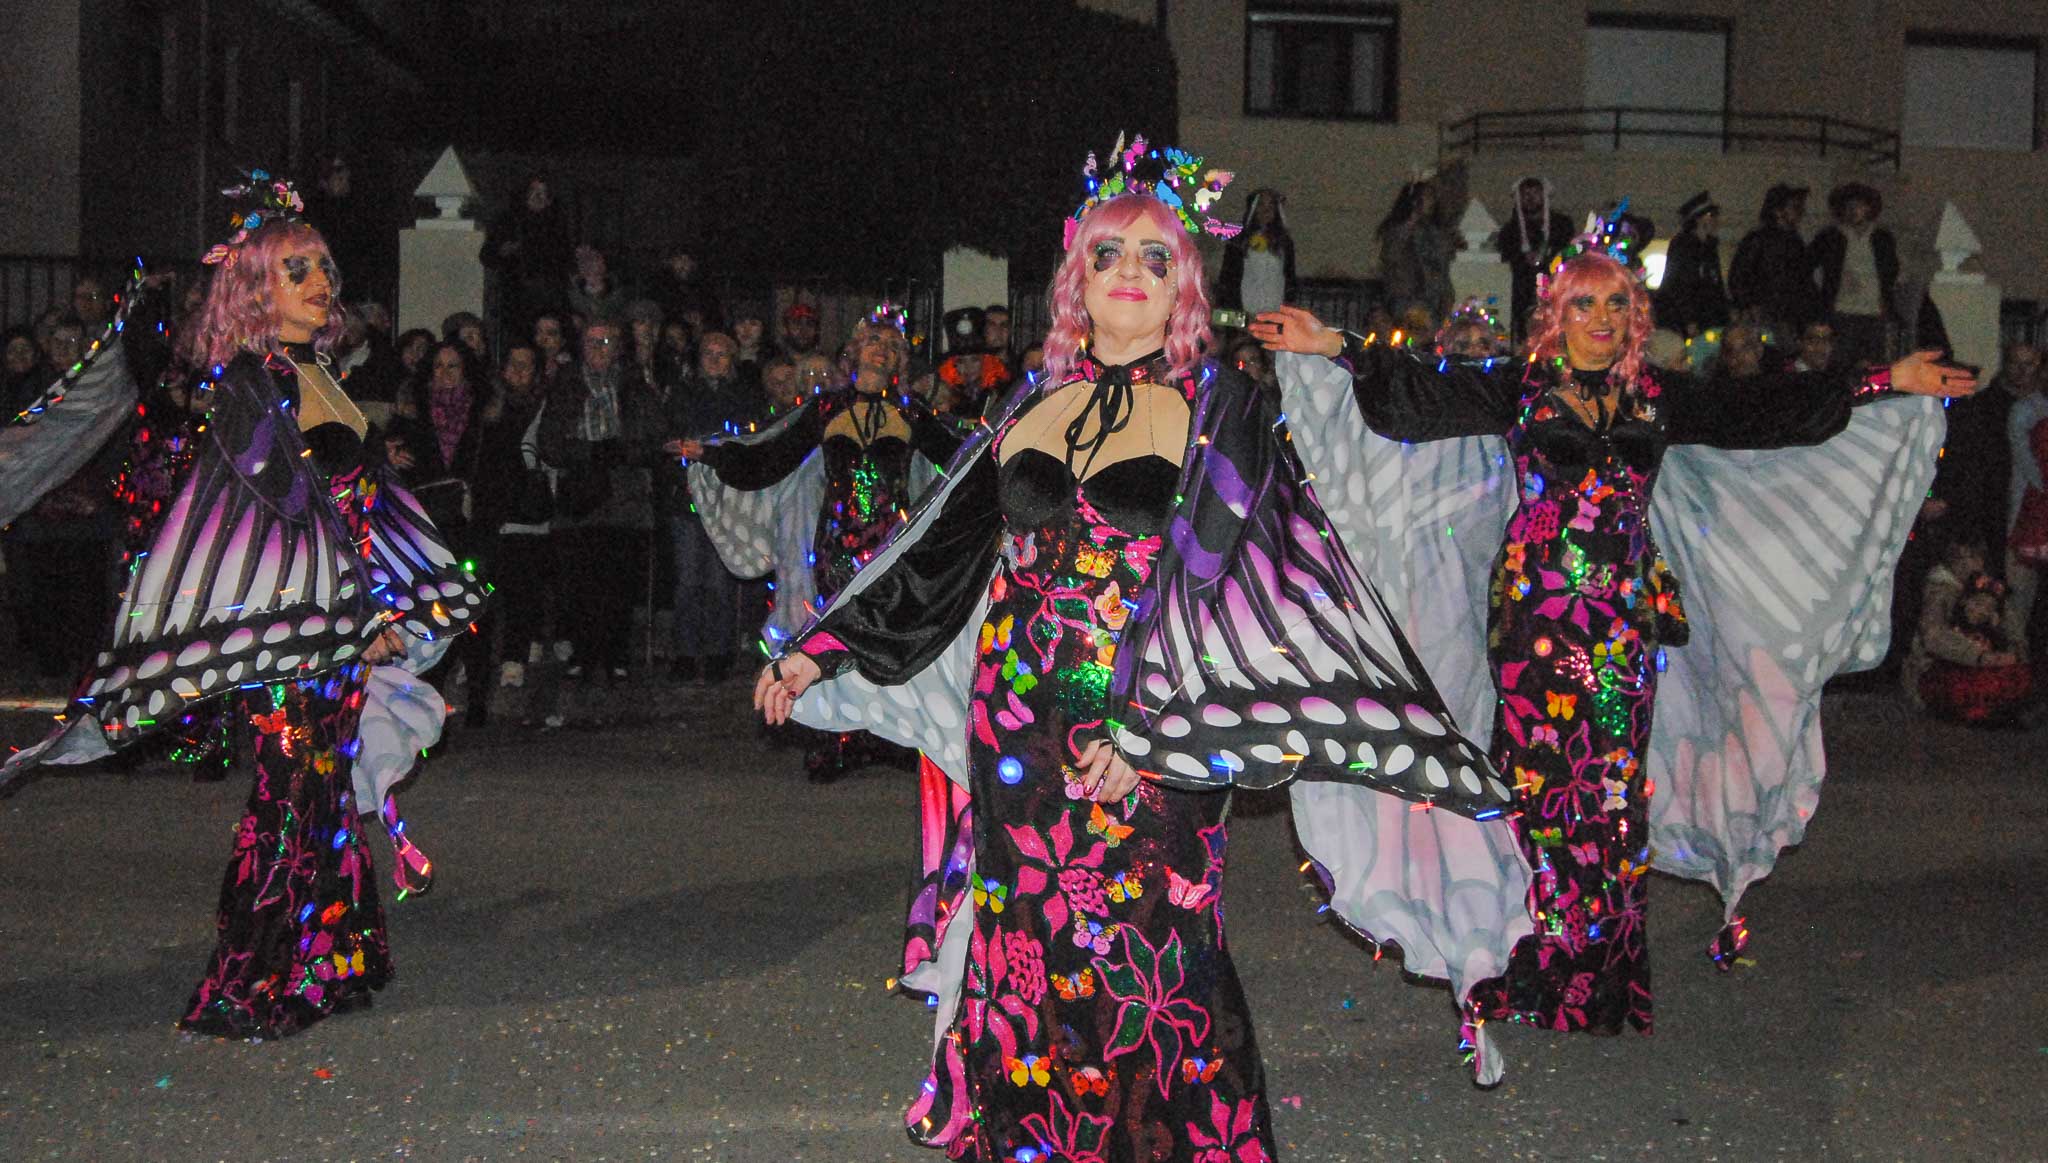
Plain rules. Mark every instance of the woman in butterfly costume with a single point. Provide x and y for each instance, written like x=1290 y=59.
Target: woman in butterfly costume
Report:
x=1120 y=604
x=813 y=496
x=296 y=587
x=1580 y=605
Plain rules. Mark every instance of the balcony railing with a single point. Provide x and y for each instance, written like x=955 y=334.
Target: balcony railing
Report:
x=1620 y=127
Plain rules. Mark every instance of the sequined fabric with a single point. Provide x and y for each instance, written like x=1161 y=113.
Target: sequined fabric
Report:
x=301 y=931
x=1102 y=1018
x=300 y=928
x=866 y=489
x=1570 y=640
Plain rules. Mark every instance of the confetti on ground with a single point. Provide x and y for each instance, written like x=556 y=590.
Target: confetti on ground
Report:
x=323 y=1073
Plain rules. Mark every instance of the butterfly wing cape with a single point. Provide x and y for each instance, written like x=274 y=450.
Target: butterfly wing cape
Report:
x=1260 y=657
x=252 y=577
x=37 y=457
x=1786 y=557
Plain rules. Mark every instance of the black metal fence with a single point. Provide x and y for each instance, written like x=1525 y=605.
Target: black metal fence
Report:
x=1621 y=127
x=32 y=283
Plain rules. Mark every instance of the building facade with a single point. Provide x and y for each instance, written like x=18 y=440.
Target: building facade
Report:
x=1338 y=102
x=128 y=115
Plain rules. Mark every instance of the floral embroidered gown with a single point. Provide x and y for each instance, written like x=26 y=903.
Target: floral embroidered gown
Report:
x=273 y=562
x=1580 y=612
x=1102 y=1018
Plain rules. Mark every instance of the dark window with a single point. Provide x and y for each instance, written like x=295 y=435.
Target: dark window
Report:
x=1972 y=92
x=1320 y=60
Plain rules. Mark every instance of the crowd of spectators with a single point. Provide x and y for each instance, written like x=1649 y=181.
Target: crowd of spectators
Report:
x=539 y=428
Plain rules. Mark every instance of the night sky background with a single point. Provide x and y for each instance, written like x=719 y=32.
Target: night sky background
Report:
x=853 y=140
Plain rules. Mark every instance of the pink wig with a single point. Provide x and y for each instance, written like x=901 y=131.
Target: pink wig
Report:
x=1187 y=329
x=240 y=312
x=1592 y=273
x=893 y=335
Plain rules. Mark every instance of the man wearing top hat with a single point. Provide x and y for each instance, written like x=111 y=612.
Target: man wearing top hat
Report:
x=1692 y=298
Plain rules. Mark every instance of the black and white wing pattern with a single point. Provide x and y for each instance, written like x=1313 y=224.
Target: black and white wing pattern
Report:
x=97 y=399
x=412 y=571
x=254 y=576
x=1263 y=654
x=1786 y=557
x=1423 y=521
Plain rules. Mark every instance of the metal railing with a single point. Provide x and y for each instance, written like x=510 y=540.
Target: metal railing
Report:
x=32 y=283
x=1623 y=127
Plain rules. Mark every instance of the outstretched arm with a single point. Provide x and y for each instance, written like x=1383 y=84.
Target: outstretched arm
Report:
x=1786 y=409
x=1400 y=396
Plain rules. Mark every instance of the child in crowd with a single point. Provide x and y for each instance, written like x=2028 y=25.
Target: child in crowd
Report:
x=1968 y=660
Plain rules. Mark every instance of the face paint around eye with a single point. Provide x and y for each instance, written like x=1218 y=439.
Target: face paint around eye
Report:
x=1156 y=259
x=1107 y=255
x=297 y=268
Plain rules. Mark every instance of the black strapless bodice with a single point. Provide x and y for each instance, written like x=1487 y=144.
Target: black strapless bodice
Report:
x=1135 y=496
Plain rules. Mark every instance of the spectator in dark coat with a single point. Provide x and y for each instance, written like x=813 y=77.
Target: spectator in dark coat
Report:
x=1771 y=278
x=1533 y=236
x=602 y=430
x=1858 y=264
x=1692 y=297
x=530 y=251
x=713 y=399
x=684 y=295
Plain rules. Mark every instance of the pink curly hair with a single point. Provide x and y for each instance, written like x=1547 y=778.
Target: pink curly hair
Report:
x=1187 y=329
x=1592 y=273
x=240 y=312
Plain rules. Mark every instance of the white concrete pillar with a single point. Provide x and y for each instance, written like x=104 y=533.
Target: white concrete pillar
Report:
x=1478 y=272
x=972 y=278
x=439 y=271
x=1968 y=302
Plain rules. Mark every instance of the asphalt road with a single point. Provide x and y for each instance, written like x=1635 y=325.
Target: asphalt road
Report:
x=656 y=941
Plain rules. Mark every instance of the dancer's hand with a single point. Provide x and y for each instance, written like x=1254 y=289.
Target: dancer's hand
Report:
x=389 y=645
x=1921 y=374
x=774 y=696
x=1105 y=774
x=1293 y=329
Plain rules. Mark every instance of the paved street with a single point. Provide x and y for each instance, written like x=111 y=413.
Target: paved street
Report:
x=658 y=942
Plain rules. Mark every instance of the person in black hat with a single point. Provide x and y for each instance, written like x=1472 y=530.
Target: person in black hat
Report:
x=1858 y=264
x=970 y=372
x=1770 y=277
x=1692 y=297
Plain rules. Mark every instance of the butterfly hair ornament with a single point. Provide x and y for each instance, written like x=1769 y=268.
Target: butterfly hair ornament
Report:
x=890 y=314
x=257 y=200
x=1612 y=234
x=1171 y=175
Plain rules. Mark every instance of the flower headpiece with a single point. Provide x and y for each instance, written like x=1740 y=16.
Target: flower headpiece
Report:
x=1484 y=312
x=259 y=200
x=1612 y=234
x=1173 y=176
x=889 y=314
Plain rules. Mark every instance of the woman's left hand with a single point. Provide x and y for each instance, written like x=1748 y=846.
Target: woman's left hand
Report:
x=1921 y=374
x=1105 y=774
